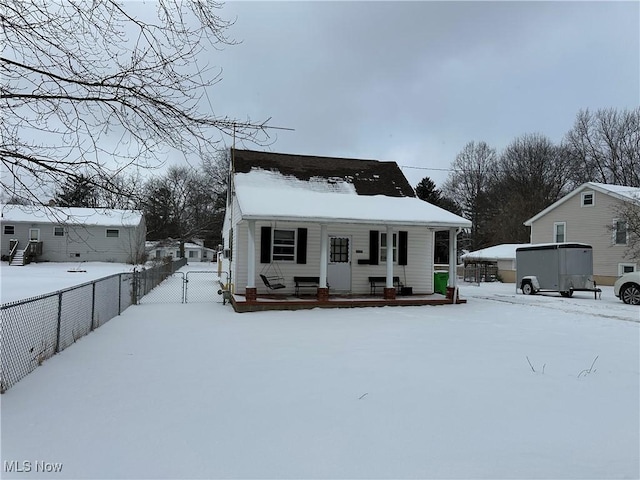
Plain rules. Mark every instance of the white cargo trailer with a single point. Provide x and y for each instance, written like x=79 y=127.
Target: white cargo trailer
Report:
x=555 y=267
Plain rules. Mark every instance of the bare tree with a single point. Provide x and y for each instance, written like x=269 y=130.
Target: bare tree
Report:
x=182 y=204
x=605 y=147
x=91 y=88
x=531 y=174
x=468 y=185
x=629 y=213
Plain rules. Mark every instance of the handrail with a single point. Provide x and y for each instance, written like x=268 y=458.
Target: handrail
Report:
x=12 y=253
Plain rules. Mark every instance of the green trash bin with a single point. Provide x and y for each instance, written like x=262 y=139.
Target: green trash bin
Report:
x=440 y=282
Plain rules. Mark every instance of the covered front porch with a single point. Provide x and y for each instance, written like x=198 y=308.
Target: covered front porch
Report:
x=385 y=266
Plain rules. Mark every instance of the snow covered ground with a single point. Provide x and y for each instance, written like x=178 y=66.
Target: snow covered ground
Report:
x=36 y=279
x=197 y=391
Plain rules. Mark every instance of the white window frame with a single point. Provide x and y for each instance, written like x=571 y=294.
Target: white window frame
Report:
x=284 y=257
x=555 y=231
x=117 y=230
x=58 y=228
x=4 y=229
x=37 y=235
x=383 y=247
x=584 y=195
x=614 y=231
x=621 y=267
x=193 y=254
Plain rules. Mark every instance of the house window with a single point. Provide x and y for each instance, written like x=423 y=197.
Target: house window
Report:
x=560 y=232
x=626 y=268
x=9 y=230
x=587 y=199
x=383 y=247
x=193 y=254
x=619 y=232
x=58 y=231
x=284 y=245
x=113 y=232
x=339 y=250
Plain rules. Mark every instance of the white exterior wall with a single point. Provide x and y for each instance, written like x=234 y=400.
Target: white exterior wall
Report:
x=417 y=274
x=80 y=243
x=590 y=225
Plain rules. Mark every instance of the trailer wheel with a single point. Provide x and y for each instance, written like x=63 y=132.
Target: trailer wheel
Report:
x=567 y=294
x=527 y=288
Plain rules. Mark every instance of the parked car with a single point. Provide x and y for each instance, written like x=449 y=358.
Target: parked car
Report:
x=627 y=288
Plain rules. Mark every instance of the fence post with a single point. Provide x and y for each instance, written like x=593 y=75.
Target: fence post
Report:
x=119 y=293
x=93 y=306
x=59 y=322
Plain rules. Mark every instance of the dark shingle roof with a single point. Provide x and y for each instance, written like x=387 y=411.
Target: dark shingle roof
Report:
x=369 y=177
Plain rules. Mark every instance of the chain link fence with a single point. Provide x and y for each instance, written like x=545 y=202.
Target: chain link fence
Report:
x=35 y=329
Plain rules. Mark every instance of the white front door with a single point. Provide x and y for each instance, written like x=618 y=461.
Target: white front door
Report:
x=339 y=268
x=34 y=234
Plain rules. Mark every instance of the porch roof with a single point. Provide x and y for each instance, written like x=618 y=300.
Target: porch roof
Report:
x=266 y=195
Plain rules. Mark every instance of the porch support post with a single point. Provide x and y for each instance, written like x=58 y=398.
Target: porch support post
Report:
x=389 y=291
x=251 y=291
x=453 y=257
x=323 y=290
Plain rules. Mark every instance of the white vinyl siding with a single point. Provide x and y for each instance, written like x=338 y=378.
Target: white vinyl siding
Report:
x=586 y=225
x=418 y=274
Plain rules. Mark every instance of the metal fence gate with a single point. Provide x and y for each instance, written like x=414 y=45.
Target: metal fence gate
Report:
x=190 y=287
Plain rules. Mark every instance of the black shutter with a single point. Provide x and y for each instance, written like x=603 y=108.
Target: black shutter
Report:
x=301 y=254
x=265 y=244
x=403 y=247
x=374 y=242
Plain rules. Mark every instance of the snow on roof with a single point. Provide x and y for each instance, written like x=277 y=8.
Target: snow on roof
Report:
x=621 y=192
x=506 y=251
x=265 y=194
x=632 y=193
x=71 y=215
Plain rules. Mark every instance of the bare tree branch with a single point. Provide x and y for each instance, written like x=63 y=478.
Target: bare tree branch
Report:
x=103 y=86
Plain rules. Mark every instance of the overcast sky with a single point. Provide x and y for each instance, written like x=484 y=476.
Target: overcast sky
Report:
x=414 y=82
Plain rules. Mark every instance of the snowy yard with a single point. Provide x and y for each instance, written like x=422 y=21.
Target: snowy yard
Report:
x=198 y=391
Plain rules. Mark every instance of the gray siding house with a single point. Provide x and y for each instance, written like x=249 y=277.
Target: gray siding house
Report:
x=67 y=234
x=591 y=214
x=339 y=221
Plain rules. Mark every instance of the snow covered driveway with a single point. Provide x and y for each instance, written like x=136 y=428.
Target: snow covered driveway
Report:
x=197 y=391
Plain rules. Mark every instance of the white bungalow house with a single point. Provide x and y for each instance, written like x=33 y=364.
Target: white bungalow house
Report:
x=335 y=225
x=592 y=214
x=67 y=234
x=194 y=251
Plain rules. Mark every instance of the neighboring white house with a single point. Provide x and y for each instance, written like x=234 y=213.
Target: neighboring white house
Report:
x=591 y=214
x=194 y=251
x=499 y=260
x=67 y=234
x=341 y=221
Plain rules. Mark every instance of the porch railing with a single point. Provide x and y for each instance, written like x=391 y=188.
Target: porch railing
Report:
x=13 y=245
x=33 y=250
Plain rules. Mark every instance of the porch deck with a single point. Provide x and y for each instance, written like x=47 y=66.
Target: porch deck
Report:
x=304 y=302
